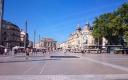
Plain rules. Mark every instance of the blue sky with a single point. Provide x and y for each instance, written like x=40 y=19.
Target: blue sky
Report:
x=56 y=18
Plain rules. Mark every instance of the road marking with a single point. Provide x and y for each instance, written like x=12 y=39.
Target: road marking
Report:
x=67 y=77
x=42 y=69
x=28 y=69
x=108 y=64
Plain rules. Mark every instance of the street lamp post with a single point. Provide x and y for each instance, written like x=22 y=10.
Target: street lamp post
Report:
x=1 y=17
x=34 y=38
x=39 y=42
x=25 y=41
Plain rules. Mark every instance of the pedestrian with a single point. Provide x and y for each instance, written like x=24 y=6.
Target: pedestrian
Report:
x=82 y=51
x=43 y=51
x=5 y=51
x=15 y=51
x=27 y=52
x=1 y=50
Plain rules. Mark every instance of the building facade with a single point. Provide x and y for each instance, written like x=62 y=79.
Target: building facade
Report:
x=87 y=38
x=23 y=37
x=80 y=38
x=10 y=34
x=63 y=45
x=47 y=43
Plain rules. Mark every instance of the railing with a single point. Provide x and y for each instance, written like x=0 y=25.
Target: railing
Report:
x=101 y=49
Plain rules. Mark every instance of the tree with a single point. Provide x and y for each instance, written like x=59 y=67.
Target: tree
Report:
x=112 y=26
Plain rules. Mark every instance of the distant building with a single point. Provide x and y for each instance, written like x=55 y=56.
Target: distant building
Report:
x=10 y=34
x=37 y=45
x=23 y=37
x=63 y=45
x=30 y=45
x=47 y=43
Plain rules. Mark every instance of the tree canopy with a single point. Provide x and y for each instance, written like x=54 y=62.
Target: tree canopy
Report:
x=113 y=26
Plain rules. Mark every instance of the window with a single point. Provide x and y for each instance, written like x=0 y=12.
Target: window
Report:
x=5 y=33
x=4 y=38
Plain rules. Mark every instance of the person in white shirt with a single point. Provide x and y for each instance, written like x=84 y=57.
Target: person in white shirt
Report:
x=5 y=50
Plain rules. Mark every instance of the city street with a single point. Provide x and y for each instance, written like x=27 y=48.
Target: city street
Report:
x=63 y=40
x=111 y=66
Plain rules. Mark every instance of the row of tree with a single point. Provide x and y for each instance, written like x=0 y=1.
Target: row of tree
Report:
x=113 y=26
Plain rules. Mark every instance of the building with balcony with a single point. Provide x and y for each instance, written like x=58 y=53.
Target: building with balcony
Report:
x=87 y=38
x=80 y=38
x=10 y=34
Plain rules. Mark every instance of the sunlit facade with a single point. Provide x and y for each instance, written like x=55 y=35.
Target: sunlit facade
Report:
x=80 y=38
x=47 y=43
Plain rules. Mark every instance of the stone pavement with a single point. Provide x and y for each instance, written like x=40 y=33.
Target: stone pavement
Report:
x=65 y=66
x=66 y=77
x=21 y=57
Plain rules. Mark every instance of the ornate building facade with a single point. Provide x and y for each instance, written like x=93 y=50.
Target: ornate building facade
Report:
x=47 y=43
x=80 y=38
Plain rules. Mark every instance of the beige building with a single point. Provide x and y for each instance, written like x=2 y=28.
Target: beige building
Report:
x=37 y=45
x=75 y=39
x=80 y=38
x=63 y=45
x=46 y=43
x=87 y=38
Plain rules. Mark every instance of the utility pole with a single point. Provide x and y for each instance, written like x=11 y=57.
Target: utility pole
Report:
x=39 y=42
x=34 y=37
x=1 y=17
x=25 y=41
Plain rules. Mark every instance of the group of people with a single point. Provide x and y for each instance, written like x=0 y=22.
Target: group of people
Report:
x=29 y=50
x=4 y=51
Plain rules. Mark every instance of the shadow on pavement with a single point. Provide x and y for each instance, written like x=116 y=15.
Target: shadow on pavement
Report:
x=26 y=60
x=64 y=57
x=29 y=56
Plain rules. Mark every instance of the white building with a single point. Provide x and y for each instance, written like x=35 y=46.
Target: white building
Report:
x=23 y=37
x=87 y=39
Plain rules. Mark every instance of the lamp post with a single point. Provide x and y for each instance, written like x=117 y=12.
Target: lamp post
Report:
x=34 y=38
x=39 y=42
x=1 y=17
x=25 y=41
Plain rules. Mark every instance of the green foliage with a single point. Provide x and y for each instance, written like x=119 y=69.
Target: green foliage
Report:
x=126 y=36
x=113 y=26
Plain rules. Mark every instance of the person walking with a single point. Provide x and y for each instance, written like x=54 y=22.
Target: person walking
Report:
x=27 y=52
x=5 y=51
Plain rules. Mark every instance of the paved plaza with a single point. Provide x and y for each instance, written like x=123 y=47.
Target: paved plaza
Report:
x=68 y=66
